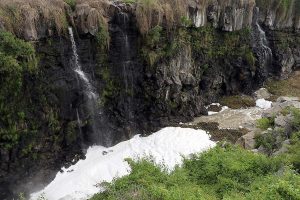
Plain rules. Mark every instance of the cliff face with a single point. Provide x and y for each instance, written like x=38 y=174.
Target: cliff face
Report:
x=148 y=64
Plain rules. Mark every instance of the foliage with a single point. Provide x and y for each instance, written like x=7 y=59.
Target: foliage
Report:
x=229 y=169
x=296 y=118
x=293 y=155
x=282 y=185
x=206 y=44
x=270 y=141
x=71 y=3
x=220 y=173
x=265 y=123
x=17 y=60
x=111 y=88
x=102 y=37
x=129 y=1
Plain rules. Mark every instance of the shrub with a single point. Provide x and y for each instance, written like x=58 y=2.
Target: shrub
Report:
x=229 y=169
x=220 y=173
x=102 y=37
x=17 y=60
x=265 y=123
x=148 y=181
x=296 y=118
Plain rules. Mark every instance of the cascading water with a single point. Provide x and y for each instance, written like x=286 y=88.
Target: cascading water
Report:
x=95 y=118
x=78 y=70
x=127 y=68
x=261 y=44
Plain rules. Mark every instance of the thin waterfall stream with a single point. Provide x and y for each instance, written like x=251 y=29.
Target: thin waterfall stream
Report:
x=78 y=69
x=262 y=44
x=92 y=97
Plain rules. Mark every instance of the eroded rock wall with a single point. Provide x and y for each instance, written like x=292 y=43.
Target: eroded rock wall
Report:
x=211 y=54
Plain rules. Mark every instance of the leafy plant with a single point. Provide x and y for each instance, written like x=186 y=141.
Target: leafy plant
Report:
x=265 y=123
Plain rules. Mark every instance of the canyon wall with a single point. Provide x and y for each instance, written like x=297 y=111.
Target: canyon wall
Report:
x=150 y=64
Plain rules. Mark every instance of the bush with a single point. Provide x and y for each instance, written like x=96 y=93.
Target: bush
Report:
x=265 y=123
x=148 y=182
x=220 y=173
x=17 y=60
x=229 y=169
x=102 y=37
x=296 y=118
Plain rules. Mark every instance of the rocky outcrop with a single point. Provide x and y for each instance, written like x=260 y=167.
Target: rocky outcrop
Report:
x=226 y=15
x=199 y=64
x=273 y=141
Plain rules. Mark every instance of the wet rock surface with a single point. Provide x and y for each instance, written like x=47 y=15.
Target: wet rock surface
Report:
x=145 y=97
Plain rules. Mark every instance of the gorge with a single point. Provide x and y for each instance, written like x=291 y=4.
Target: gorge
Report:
x=105 y=71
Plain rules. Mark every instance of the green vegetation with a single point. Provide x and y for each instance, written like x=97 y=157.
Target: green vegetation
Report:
x=221 y=173
x=265 y=123
x=111 y=88
x=224 y=172
x=102 y=37
x=206 y=43
x=129 y=1
x=272 y=139
x=71 y=3
x=17 y=60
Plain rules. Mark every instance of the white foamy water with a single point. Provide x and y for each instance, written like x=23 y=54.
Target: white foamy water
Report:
x=78 y=69
x=166 y=146
x=264 y=104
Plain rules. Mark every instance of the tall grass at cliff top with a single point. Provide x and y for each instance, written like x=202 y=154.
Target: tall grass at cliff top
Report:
x=284 y=9
x=16 y=14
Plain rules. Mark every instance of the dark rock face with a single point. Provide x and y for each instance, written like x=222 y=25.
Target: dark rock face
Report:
x=142 y=99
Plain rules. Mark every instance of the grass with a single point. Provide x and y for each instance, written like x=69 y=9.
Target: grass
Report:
x=237 y=101
x=289 y=87
x=221 y=173
x=16 y=14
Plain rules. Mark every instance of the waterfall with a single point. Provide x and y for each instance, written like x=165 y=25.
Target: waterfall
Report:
x=261 y=44
x=127 y=67
x=264 y=42
x=78 y=70
x=94 y=115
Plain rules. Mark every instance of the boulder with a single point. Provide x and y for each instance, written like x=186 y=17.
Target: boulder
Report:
x=283 y=99
x=247 y=141
x=278 y=106
x=283 y=148
x=262 y=93
x=281 y=121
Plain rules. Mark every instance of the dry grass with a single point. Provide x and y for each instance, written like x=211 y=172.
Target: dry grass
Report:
x=16 y=15
x=151 y=13
x=238 y=101
x=285 y=10
x=92 y=14
x=288 y=87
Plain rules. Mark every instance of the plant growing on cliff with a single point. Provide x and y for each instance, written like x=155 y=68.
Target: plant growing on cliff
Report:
x=71 y=3
x=102 y=37
x=17 y=60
